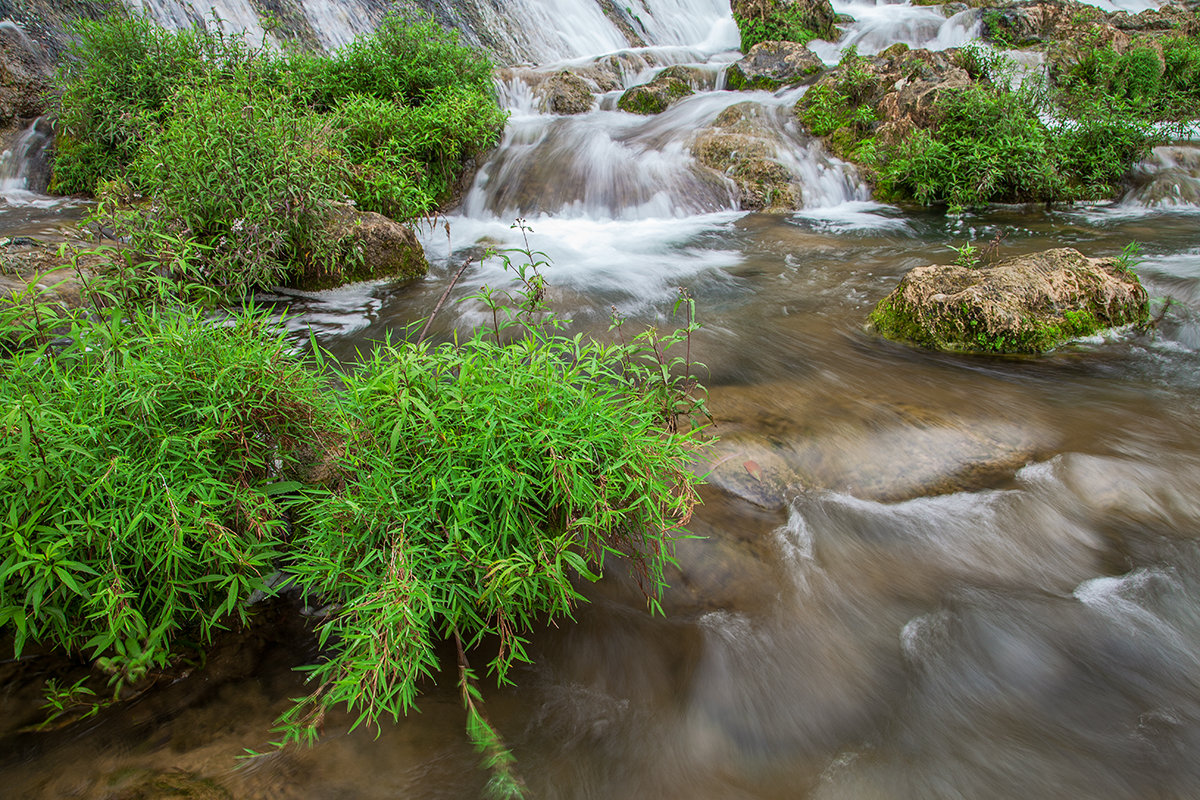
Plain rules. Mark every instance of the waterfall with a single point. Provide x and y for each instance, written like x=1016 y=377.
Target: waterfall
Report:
x=25 y=164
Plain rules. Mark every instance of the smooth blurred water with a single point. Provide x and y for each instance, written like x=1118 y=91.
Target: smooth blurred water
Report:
x=985 y=582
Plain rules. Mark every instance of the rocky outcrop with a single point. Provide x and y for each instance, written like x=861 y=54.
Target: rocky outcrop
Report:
x=1026 y=304
x=25 y=72
x=770 y=65
x=655 y=97
x=380 y=247
x=1025 y=24
x=566 y=93
x=740 y=146
x=883 y=96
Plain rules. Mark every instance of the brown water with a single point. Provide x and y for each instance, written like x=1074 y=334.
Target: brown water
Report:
x=985 y=582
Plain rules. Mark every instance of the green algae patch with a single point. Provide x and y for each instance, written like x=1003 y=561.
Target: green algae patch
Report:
x=654 y=97
x=1027 y=304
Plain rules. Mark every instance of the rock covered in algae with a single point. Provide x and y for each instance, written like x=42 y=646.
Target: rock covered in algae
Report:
x=742 y=145
x=566 y=93
x=770 y=65
x=659 y=94
x=384 y=249
x=1027 y=304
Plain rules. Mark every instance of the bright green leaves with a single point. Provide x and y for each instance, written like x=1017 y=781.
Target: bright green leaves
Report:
x=140 y=467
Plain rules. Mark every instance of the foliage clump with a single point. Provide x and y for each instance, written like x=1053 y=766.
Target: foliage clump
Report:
x=242 y=151
x=783 y=21
x=1153 y=80
x=967 y=133
x=167 y=470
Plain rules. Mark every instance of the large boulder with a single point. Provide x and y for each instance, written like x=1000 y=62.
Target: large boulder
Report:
x=742 y=146
x=655 y=97
x=770 y=65
x=379 y=248
x=25 y=72
x=565 y=93
x=1026 y=304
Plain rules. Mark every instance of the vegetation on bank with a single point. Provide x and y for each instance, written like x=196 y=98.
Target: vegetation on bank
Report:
x=995 y=138
x=243 y=152
x=165 y=470
x=798 y=21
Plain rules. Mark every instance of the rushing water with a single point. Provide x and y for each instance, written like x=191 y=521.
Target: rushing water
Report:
x=986 y=583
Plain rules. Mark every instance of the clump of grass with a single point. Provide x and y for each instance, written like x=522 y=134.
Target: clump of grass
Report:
x=245 y=149
x=165 y=467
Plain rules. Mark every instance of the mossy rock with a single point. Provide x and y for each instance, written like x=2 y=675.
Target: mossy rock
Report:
x=770 y=65
x=566 y=93
x=376 y=247
x=1028 y=304
x=654 y=97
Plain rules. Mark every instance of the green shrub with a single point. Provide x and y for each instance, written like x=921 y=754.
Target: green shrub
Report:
x=1139 y=83
x=116 y=84
x=162 y=467
x=249 y=178
x=779 y=21
x=388 y=121
x=142 y=469
x=992 y=145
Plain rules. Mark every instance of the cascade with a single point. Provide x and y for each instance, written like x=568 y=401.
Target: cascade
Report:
x=24 y=165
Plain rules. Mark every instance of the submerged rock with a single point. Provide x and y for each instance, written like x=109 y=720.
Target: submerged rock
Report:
x=1026 y=304
x=873 y=448
x=770 y=65
x=658 y=95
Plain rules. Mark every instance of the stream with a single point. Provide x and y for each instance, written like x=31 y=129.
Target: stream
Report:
x=985 y=582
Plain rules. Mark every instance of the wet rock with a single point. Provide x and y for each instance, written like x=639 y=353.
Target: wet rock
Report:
x=656 y=96
x=1169 y=176
x=25 y=73
x=770 y=65
x=144 y=785
x=566 y=93
x=385 y=249
x=741 y=146
x=1026 y=304
x=871 y=448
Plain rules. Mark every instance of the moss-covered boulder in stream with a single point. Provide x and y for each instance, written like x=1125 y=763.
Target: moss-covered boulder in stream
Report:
x=1026 y=304
x=770 y=65
x=743 y=145
x=379 y=248
x=659 y=94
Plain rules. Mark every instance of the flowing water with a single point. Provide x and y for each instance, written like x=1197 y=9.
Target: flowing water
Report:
x=984 y=584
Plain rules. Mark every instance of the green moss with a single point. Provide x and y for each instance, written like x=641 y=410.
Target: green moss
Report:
x=966 y=332
x=654 y=97
x=736 y=81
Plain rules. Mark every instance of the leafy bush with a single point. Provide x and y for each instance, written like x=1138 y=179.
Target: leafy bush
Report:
x=992 y=145
x=387 y=121
x=779 y=21
x=1151 y=82
x=117 y=82
x=142 y=467
x=250 y=179
x=161 y=467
